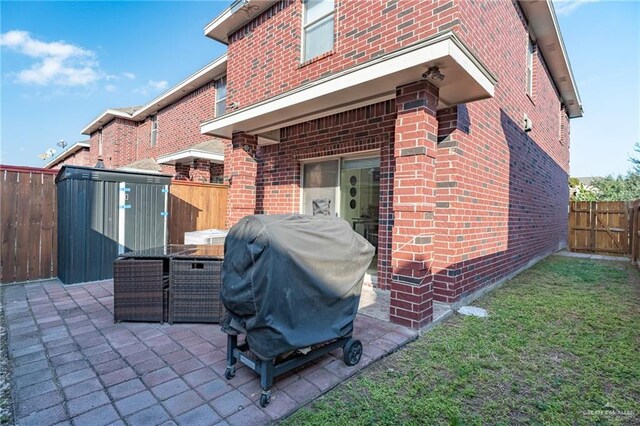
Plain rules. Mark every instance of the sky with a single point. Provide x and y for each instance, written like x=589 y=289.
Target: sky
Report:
x=63 y=63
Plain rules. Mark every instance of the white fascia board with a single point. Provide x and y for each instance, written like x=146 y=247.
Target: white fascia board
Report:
x=544 y=25
x=190 y=153
x=215 y=68
x=108 y=115
x=441 y=46
x=209 y=72
x=231 y=18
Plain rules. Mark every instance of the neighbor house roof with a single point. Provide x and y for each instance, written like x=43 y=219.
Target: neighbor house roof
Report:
x=67 y=153
x=545 y=30
x=210 y=72
x=212 y=150
x=147 y=165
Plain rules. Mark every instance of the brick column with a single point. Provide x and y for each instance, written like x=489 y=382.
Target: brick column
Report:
x=241 y=167
x=200 y=171
x=182 y=171
x=413 y=204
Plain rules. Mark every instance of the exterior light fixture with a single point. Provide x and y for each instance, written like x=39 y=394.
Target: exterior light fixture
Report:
x=433 y=73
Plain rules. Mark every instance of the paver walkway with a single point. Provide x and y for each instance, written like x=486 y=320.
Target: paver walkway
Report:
x=72 y=365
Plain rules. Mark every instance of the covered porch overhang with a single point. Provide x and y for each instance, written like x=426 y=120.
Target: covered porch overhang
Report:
x=212 y=151
x=466 y=79
x=189 y=156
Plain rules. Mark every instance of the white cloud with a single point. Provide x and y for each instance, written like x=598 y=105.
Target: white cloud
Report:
x=567 y=7
x=129 y=75
x=110 y=88
x=58 y=63
x=152 y=86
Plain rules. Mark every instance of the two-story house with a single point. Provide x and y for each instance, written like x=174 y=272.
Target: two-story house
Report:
x=164 y=134
x=438 y=129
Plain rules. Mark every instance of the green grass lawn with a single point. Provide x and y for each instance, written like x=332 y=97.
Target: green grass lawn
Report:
x=561 y=346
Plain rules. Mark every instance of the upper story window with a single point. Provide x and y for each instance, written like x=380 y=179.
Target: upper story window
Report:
x=530 y=53
x=221 y=96
x=99 y=142
x=317 y=27
x=154 y=129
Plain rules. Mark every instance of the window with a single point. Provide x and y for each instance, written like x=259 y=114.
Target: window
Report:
x=317 y=28
x=154 y=130
x=530 y=52
x=99 y=142
x=221 y=96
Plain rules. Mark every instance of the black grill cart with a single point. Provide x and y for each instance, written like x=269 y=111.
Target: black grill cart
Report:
x=291 y=285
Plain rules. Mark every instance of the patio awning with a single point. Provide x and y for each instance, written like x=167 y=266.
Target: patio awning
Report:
x=212 y=151
x=466 y=79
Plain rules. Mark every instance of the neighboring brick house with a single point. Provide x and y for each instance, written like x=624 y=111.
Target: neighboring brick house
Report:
x=439 y=129
x=164 y=135
x=77 y=155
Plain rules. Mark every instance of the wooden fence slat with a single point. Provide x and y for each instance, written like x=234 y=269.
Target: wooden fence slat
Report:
x=22 y=228
x=8 y=196
x=35 y=219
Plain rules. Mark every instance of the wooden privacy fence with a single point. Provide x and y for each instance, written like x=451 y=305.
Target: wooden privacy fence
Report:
x=195 y=206
x=599 y=227
x=634 y=219
x=28 y=231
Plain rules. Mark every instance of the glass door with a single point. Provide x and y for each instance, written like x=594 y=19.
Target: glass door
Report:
x=360 y=195
x=320 y=183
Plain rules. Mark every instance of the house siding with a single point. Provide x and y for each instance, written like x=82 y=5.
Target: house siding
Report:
x=264 y=56
x=483 y=196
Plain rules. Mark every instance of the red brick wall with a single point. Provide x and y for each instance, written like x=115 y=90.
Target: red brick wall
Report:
x=264 y=56
x=501 y=193
x=363 y=129
x=82 y=157
x=118 y=143
x=178 y=124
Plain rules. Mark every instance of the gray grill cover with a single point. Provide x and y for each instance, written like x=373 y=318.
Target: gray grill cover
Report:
x=293 y=281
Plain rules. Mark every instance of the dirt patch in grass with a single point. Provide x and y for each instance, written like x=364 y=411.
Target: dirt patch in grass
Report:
x=561 y=346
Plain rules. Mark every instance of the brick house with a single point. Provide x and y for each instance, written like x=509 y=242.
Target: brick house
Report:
x=77 y=155
x=164 y=134
x=439 y=129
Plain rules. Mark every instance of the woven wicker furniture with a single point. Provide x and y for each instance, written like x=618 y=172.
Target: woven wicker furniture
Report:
x=138 y=290
x=174 y=283
x=194 y=291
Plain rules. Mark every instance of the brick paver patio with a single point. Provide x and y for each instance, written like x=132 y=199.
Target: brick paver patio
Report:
x=72 y=365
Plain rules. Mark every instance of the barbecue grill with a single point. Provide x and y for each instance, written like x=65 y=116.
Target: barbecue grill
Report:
x=291 y=285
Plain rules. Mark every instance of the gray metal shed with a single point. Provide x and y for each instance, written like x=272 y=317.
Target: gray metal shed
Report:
x=104 y=213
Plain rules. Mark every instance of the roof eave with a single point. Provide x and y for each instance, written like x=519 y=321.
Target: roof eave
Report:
x=542 y=18
x=235 y=16
x=65 y=154
x=209 y=72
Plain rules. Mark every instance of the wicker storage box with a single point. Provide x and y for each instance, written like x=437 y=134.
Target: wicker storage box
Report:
x=194 y=291
x=137 y=290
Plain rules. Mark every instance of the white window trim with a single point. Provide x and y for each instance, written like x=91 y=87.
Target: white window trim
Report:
x=99 y=142
x=306 y=25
